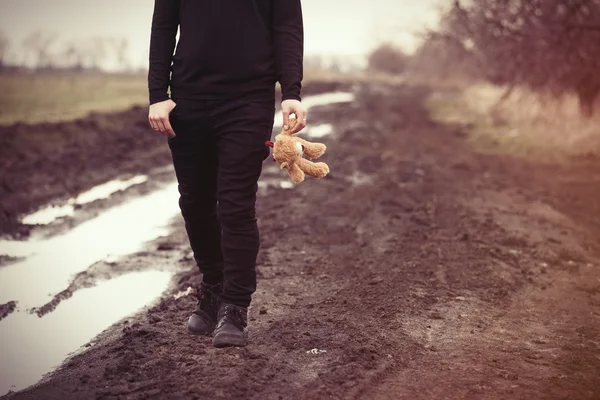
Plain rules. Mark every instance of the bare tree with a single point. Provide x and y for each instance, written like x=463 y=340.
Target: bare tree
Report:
x=313 y=62
x=38 y=46
x=72 y=57
x=121 y=47
x=92 y=53
x=388 y=58
x=41 y=51
x=88 y=53
x=4 y=46
x=97 y=52
x=550 y=46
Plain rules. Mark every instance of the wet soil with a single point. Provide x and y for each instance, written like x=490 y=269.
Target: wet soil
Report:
x=51 y=162
x=418 y=269
x=7 y=308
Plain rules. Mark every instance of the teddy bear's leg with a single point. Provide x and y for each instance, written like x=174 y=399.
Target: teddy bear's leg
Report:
x=316 y=170
x=312 y=150
x=296 y=174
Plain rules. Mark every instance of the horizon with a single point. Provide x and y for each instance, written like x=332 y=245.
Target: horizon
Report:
x=332 y=27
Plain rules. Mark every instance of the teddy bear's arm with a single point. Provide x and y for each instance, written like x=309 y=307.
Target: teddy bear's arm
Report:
x=312 y=150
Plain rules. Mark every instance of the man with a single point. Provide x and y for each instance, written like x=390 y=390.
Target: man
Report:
x=222 y=77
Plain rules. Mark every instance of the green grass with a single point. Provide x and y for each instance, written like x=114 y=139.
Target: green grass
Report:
x=49 y=97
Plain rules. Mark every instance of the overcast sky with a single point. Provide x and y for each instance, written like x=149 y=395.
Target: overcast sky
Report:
x=332 y=26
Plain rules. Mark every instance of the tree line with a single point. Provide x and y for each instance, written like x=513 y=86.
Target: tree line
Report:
x=549 y=46
x=43 y=51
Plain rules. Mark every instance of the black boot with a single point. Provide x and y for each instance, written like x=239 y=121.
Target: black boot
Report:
x=232 y=329
x=204 y=318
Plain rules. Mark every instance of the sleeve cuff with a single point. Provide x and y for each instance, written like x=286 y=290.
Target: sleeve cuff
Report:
x=291 y=97
x=158 y=95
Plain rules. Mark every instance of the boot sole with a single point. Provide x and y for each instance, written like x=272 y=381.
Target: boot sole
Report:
x=229 y=341
x=198 y=333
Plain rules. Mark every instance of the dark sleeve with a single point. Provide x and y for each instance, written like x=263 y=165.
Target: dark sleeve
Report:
x=165 y=22
x=288 y=30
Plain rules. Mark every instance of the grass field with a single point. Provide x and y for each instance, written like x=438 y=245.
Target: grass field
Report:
x=51 y=97
x=522 y=124
x=48 y=97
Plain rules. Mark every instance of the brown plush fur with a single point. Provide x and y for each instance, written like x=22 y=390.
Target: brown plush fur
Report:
x=286 y=152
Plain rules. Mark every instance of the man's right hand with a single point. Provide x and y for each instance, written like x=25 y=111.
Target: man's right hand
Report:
x=159 y=117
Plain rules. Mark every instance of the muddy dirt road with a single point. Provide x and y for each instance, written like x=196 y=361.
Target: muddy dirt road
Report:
x=419 y=269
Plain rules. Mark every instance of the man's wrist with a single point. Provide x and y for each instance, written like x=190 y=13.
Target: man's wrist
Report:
x=291 y=97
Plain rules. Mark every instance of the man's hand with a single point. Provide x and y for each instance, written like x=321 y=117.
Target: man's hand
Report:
x=293 y=107
x=159 y=117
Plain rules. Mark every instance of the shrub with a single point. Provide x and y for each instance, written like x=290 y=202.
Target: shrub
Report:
x=388 y=59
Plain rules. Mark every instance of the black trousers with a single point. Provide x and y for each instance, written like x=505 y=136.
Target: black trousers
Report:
x=218 y=154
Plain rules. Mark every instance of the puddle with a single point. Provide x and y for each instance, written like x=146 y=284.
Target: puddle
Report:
x=358 y=178
x=32 y=346
x=104 y=191
x=41 y=268
x=319 y=100
x=48 y=214
x=286 y=185
x=50 y=264
x=275 y=183
x=319 y=131
x=328 y=98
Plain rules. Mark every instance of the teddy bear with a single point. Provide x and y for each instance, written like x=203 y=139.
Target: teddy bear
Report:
x=288 y=150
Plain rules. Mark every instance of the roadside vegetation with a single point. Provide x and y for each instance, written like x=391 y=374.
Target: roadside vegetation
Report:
x=518 y=76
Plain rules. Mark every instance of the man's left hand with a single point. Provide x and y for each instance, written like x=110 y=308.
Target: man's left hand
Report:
x=289 y=107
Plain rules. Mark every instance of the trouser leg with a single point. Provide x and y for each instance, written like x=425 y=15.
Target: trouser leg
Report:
x=195 y=159
x=242 y=128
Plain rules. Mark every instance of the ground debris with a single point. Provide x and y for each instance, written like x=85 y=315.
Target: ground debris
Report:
x=316 y=351
x=183 y=293
x=6 y=309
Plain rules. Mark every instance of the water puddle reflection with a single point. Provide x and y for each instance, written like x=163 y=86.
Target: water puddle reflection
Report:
x=319 y=100
x=275 y=183
x=32 y=346
x=328 y=98
x=104 y=191
x=49 y=214
x=358 y=178
x=51 y=263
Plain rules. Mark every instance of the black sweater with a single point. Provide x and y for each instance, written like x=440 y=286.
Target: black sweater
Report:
x=226 y=48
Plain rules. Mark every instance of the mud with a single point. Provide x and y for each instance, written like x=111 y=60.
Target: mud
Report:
x=418 y=269
x=52 y=162
x=7 y=308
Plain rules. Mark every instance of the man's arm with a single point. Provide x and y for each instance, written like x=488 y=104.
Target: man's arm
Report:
x=165 y=23
x=288 y=29
x=289 y=46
